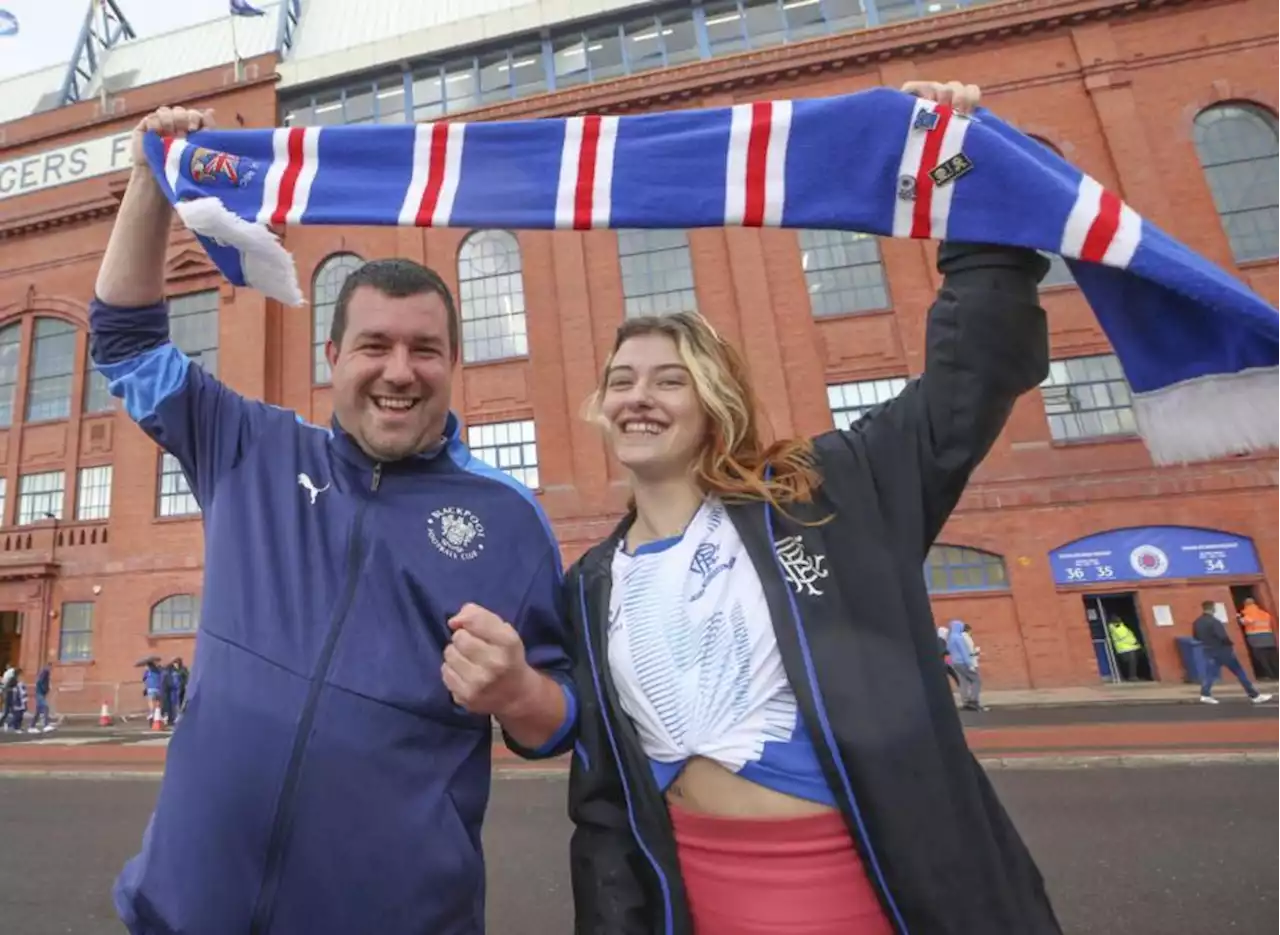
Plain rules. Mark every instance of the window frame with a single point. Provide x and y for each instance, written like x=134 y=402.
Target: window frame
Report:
x=474 y=310
x=979 y=559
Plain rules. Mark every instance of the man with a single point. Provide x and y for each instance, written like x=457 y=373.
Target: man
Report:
x=332 y=768
x=44 y=685
x=6 y=680
x=1259 y=636
x=1216 y=652
x=1124 y=643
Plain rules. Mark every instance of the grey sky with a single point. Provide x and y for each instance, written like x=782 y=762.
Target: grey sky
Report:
x=48 y=29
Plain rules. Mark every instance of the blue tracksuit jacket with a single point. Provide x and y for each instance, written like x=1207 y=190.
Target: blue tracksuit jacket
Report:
x=322 y=780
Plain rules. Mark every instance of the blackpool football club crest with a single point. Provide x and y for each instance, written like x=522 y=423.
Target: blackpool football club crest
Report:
x=1149 y=561
x=456 y=532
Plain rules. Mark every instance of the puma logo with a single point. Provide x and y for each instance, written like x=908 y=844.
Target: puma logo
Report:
x=305 y=483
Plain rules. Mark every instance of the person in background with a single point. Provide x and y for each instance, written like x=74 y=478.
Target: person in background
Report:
x=153 y=689
x=946 y=656
x=166 y=694
x=175 y=687
x=964 y=659
x=1125 y=646
x=1259 y=637
x=182 y=676
x=44 y=685
x=6 y=682
x=17 y=700
x=767 y=743
x=974 y=648
x=1217 y=651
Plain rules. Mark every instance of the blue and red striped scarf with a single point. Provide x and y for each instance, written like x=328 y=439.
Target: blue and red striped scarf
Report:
x=1199 y=348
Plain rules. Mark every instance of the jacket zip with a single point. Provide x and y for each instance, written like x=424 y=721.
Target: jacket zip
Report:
x=827 y=736
x=667 y=911
x=274 y=864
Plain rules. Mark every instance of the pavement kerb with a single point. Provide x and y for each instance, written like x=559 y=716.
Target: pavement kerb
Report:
x=1027 y=762
x=1132 y=760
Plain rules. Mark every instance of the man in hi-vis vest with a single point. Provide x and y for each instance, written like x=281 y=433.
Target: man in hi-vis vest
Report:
x=1126 y=646
x=1260 y=637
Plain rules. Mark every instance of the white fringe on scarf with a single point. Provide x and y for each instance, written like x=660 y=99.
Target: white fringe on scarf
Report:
x=268 y=266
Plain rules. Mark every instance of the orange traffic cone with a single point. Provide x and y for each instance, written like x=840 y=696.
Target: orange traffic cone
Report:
x=104 y=719
x=157 y=722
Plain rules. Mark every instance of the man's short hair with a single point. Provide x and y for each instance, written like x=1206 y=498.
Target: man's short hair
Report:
x=1208 y=606
x=398 y=278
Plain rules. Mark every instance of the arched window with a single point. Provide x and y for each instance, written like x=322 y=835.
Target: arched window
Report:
x=177 y=613
x=952 y=568
x=10 y=351
x=325 y=286
x=843 y=272
x=53 y=364
x=1236 y=143
x=491 y=290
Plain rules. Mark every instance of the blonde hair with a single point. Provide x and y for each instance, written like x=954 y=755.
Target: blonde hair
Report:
x=735 y=462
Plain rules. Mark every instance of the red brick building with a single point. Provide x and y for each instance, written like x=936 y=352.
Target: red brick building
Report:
x=1171 y=104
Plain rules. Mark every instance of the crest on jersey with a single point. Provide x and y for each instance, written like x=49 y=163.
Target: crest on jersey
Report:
x=456 y=532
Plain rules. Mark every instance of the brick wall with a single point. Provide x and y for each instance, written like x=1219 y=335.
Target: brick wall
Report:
x=1116 y=95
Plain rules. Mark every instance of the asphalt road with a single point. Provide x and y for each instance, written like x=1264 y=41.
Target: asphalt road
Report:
x=1012 y=716
x=1155 y=713
x=1139 y=851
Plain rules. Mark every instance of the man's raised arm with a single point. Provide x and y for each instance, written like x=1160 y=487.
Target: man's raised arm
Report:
x=185 y=410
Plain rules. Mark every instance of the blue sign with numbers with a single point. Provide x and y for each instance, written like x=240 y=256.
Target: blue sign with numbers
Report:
x=1149 y=553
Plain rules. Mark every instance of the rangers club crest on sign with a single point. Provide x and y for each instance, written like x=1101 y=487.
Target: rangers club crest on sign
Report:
x=208 y=166
x=456 y=532
x=1149 y=561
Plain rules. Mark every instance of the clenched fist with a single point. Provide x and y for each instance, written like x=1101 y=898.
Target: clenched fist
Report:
x=963 y=98
x=168 y=121
x=484 y=665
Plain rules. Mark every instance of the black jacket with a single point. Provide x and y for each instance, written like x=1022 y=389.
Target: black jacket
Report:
x=857 y=639
x=1213 y=636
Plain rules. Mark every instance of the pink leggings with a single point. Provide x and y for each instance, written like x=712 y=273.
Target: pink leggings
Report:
x=798 y=876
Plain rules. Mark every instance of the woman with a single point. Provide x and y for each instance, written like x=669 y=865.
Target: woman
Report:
x=766 y=741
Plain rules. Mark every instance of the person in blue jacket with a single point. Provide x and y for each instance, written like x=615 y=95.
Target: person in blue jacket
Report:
x=153 y=688
x=332 y=767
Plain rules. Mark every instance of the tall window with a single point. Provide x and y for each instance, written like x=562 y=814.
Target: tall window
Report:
x=657 y=272
x=1086 y=397
x=177 y=613
x=849 y=402
x=93 y=498
x=53 y=361
x=75 y=636
x=4 y=498
x=491 y=288
x=40 y=497
x=843 y=271
x=10 y=351
x=97 y=393
x=509 y=446
x=325 y=287
x=1236 y=144
x=174 y=493
x=193 y=326
x=956 y=568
